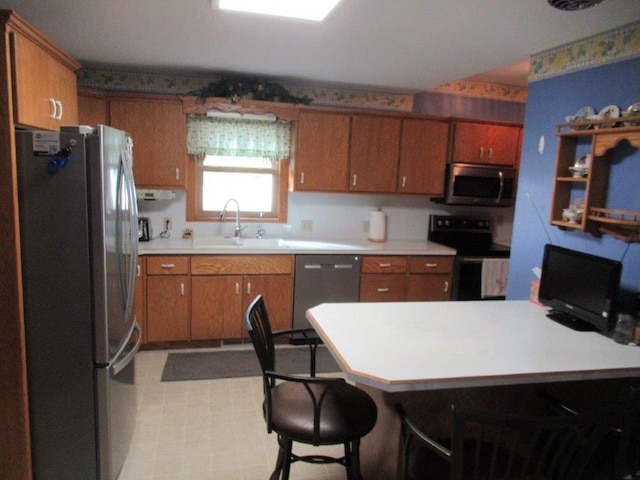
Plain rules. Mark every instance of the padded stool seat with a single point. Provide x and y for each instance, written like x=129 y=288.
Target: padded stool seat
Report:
x=347 y=413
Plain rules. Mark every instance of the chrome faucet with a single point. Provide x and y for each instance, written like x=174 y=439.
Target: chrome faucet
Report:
x=238 y=228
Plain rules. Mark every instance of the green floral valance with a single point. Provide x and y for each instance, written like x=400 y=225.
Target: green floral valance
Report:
x=237 y=137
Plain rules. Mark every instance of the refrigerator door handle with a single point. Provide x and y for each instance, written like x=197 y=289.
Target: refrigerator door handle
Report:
x=121 y=364
x=130 y=187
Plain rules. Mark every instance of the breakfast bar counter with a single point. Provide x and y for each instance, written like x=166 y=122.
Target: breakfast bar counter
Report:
x=434 y=345
x=491 y=355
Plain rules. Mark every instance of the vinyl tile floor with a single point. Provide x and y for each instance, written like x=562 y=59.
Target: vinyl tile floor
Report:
x=207 y=430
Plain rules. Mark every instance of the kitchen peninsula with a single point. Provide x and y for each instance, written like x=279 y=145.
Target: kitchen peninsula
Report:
x=432 y=354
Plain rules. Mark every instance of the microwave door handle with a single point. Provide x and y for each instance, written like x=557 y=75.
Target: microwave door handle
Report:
x=501 y=186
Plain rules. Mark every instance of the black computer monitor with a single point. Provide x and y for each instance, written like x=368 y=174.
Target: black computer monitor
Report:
x=580 y=288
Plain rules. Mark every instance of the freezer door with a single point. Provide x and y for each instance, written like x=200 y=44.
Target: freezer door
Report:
x=114 y=230
x=117 y=406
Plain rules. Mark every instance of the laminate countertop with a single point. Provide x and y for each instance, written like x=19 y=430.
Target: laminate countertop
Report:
x=409 y=346
x=231 y=246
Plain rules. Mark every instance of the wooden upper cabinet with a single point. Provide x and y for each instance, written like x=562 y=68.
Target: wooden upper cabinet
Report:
x=158 y=128
x=44 y=83
x=486 y=143
x=93 y=108
x=423 y=156
x=505 y=142
x=375 y=146
x=322 y=152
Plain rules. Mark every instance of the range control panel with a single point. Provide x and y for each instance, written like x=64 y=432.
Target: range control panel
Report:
x=456 y=223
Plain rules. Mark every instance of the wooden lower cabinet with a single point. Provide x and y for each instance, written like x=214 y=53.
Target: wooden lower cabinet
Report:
x=398 y=278
x=168 y=298
x=167 y=308
x=429 y=278
x=223 y=287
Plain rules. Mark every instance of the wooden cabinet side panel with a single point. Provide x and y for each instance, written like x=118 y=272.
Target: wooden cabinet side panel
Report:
x=423 y=156
x=322 y=152
x=375 y=149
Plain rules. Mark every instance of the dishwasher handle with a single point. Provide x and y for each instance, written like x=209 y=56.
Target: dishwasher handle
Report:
x=317 y=266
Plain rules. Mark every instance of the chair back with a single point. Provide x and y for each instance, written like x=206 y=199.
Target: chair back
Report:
x=257 y=322
x=489 y=445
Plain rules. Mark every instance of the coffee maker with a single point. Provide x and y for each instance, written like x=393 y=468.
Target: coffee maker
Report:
x=143 y=229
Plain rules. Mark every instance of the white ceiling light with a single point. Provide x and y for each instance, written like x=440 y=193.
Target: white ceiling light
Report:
x=315 y=10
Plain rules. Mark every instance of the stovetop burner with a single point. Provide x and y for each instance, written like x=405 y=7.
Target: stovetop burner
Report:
x=469 y=235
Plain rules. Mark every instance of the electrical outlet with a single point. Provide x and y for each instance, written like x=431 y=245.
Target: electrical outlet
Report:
x=167 y=223
x=306 y=225
x=365 y=226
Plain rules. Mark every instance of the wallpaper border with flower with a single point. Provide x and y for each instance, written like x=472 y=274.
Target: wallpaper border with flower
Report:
x=622 y=43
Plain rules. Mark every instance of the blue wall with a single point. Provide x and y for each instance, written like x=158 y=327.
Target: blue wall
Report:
x=548 y=102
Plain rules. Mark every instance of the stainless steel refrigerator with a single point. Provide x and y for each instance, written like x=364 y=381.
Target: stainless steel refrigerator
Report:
x=78 y=236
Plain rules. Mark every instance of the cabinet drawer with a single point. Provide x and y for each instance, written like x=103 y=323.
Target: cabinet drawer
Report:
x=382 y=287
x=431 y=264
x=241 y=264
x=168 y=265
x=389 y=264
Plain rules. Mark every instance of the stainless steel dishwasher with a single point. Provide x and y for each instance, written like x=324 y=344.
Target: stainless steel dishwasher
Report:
x=321 y=279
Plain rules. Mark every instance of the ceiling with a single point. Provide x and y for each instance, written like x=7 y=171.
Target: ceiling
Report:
x=390 y=45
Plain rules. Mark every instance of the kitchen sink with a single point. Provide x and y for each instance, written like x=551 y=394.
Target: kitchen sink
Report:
x=234 y=243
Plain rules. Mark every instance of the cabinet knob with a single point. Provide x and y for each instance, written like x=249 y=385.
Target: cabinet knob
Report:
x=431 y=265
x=384 y=265
x=301 y=177
x=383 y=290
x=248 y=288
x=404 y=181
x=237 y=288
x=182 y=289
x=355 y=180
x=177 y=174
x=446 y=286
x=167 y=265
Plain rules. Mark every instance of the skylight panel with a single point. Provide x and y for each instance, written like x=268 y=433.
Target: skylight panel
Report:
x=315 y=10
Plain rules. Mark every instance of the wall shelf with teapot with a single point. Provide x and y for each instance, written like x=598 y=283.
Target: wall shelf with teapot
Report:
x=581 y=178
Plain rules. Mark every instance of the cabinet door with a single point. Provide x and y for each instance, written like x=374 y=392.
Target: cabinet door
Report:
x=277 y=291
x=216 y=311
x=387 y=287
x=423 y=156
x=158 y=128
x=45 y=90
x=375 y=146
x=503 y=145
x=429 y=287
x=93 y=109
x=167 y=308
x=322 y=153
x=469 y=143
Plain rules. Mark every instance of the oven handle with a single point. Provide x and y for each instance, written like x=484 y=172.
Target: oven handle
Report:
x=471 y=259
x=500 y=174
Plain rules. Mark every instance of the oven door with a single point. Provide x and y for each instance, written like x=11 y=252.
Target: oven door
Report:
x=467 y=279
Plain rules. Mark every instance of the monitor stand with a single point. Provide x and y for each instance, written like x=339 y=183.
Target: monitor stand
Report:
x=571 y=321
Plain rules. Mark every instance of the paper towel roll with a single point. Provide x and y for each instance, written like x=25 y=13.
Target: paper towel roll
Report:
x=378 y=226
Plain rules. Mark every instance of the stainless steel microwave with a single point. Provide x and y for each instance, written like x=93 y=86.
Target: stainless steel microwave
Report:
x=486 y=185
